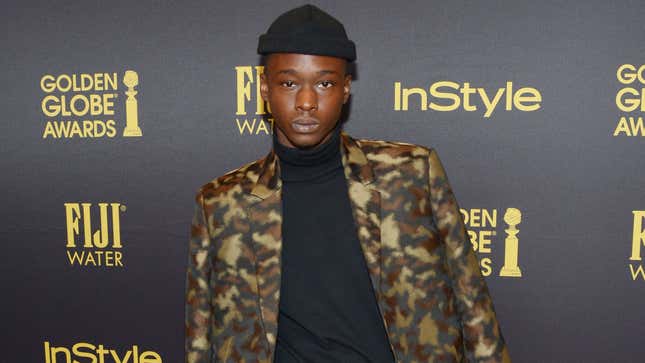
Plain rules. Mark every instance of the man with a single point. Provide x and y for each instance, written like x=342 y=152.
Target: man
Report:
x=330 y=248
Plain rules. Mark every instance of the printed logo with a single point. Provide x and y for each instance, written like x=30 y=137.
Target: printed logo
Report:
x=638 y=241
x=446 y=96
x=630 y=100
x=482 y=227
x=250 y=102
x=90 y=247
x=84 y=106
x=92 y=354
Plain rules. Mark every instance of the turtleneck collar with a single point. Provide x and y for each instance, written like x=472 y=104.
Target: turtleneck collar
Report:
x=309 y=164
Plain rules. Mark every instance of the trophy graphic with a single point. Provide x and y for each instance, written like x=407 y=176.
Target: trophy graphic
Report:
x=131 y=80
x=512 y=217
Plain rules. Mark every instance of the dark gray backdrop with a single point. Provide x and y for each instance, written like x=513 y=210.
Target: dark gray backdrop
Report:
x=575 y=183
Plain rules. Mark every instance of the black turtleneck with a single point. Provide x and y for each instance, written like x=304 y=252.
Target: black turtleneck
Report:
x=328 y=310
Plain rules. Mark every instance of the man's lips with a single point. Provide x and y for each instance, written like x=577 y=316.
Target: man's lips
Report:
x=305 y=125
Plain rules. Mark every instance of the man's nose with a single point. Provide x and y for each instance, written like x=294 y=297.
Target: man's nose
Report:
x=307 y=99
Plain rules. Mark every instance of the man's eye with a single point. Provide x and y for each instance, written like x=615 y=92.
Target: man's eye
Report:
x=326 y=84
x=287 y=83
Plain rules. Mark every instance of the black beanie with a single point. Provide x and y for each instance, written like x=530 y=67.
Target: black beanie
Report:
x=307 y=30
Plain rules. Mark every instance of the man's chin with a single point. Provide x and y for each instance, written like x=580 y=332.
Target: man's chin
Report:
x=306 y=141
x=303 y=140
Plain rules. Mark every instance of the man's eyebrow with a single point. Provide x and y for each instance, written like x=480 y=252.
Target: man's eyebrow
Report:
x=327 y=71
x=287 y=71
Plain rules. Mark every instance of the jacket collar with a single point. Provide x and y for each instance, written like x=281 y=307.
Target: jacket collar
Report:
x=355 y=165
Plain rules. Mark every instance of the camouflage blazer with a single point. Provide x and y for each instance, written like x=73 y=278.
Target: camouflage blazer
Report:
x=432 y=297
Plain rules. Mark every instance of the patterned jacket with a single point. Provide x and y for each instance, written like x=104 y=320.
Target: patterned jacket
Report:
x=432 y=297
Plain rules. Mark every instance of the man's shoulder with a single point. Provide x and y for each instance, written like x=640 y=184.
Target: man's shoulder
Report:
x=236 y=180
x=390 y=160
x=383 y=150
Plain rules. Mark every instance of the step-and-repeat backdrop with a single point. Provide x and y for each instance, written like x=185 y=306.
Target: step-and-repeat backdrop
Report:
x=115 y=112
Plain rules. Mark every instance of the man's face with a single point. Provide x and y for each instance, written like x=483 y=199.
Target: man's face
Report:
x=306 y=94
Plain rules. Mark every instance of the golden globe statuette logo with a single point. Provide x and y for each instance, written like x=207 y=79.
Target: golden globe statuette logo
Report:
x=131 y=80
x=481 y=226
x=512 y=217
x=638 y=241
x=82 y=105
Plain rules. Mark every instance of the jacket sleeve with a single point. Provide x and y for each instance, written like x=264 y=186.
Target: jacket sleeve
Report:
x=483 y=340
x=198 y=297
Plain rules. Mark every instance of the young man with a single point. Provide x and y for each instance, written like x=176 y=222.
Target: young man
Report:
x=330 y=248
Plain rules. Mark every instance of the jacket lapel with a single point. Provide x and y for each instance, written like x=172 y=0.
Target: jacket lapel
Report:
x=366 y=205
x=265 y=217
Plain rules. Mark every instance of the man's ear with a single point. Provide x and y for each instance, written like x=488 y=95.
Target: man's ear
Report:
x=347 y=85
x=264 y=87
